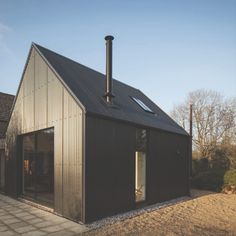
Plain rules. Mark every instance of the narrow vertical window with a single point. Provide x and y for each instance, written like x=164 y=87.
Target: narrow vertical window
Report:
x=140 y=165
x=140 y=176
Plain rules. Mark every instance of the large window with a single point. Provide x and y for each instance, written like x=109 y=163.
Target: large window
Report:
x=140 y=165
x=38 y=166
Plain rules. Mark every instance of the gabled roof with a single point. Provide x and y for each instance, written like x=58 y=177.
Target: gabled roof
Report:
x=88 y=86
x=6 y=102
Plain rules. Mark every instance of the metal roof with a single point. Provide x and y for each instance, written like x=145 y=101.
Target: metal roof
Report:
x=88 y=86
x=6 y=102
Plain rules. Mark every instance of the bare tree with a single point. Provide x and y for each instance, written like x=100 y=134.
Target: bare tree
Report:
x=214 y=120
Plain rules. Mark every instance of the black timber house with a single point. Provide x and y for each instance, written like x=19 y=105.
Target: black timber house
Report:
x=88 y=146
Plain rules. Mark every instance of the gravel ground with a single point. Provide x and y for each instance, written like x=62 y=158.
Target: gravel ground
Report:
x=206 y=213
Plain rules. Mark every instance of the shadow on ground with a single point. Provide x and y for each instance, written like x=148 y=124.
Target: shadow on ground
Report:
x=195 y=193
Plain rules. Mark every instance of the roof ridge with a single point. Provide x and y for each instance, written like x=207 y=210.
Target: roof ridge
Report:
x=39 y=46
x=86 y=67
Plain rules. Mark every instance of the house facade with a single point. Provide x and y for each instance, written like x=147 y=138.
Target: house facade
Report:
x=46 y=123
x=71 y=149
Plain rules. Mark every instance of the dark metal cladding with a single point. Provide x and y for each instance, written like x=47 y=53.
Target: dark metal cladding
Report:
x=110 y=167
x=108 y=93
x=168 y=170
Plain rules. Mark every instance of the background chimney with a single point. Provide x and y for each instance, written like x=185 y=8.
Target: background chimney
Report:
x=108 y=93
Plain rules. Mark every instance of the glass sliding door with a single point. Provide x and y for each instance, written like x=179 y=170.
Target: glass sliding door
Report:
x=44 y=166
x=29 y=165
x=38 y=166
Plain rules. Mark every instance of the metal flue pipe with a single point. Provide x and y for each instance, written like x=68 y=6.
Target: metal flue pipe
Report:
x=191 y=120
x=191 y=135
x=108 y=93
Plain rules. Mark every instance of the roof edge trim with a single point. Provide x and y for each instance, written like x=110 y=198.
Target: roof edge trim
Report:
x=18 y=89
x=59 y=77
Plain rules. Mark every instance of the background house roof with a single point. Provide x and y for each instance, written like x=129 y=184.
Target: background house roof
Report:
x=6 y=102
x=88 y=86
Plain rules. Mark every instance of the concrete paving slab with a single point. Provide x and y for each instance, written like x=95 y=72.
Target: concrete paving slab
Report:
x=35 y=233
x=8 y=233
x=17 y=225
x=44 y=224
x=25 y=229
x=18 y=218
x=51 y=229
x=11 y=221
x=3 y=228
x=62 y=233
x=34 y=221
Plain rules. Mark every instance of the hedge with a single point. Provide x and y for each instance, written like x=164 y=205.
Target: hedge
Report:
x=209 y=180
x=214 y=180
x=230 y=178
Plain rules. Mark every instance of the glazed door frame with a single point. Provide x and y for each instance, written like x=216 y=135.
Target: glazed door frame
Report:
x=37 y=167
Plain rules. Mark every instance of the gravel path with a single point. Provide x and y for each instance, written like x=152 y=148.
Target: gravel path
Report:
x=206 y=213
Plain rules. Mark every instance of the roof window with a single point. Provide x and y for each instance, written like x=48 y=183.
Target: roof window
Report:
x=142 y=105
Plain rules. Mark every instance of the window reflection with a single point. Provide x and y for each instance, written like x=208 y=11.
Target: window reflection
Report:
x=141 y=140
x=38 y=166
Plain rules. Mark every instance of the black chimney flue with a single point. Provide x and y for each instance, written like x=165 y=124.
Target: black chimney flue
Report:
x=108 y=93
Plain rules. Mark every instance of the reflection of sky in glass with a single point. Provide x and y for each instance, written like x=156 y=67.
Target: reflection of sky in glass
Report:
x=142 y=105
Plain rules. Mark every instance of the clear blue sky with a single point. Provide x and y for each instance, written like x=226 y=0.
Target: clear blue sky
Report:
x=165 y=48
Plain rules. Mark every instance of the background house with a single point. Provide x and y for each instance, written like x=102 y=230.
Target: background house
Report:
x=6 y=101
x=87 y=151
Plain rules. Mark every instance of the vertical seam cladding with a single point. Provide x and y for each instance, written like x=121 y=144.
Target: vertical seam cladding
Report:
x=62 y=156
x=34 y=89
x=47 y=97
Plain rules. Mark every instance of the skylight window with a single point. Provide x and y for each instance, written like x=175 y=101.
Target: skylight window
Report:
x=142 y=105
